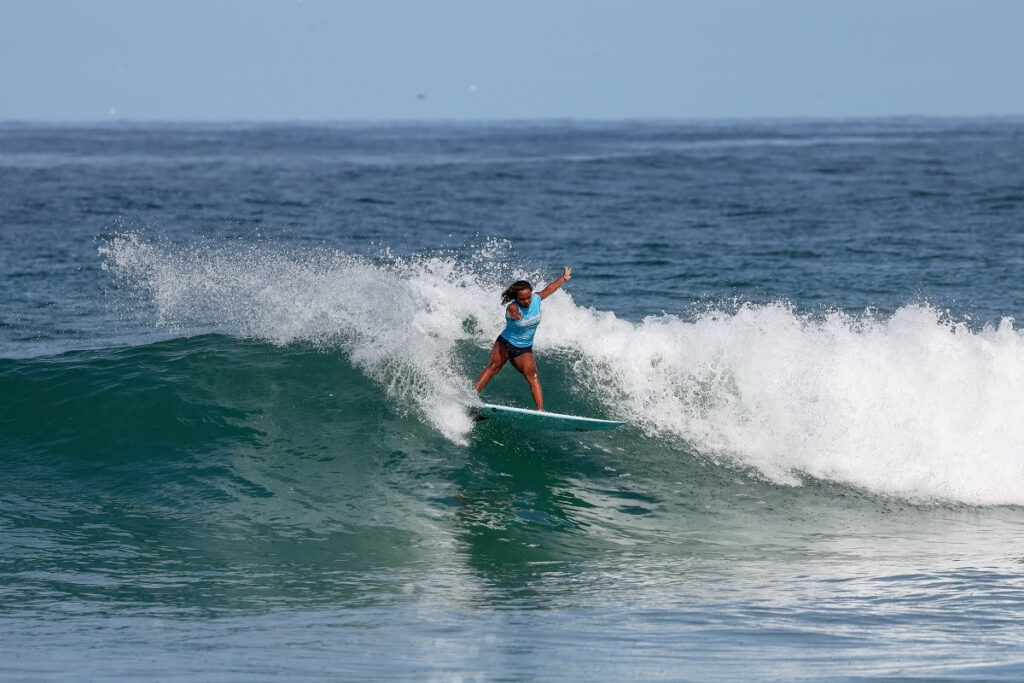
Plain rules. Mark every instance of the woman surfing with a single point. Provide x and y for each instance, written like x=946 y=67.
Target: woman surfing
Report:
x=515 y=343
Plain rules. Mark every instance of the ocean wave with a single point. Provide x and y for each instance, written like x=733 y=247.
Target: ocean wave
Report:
x=913 y=404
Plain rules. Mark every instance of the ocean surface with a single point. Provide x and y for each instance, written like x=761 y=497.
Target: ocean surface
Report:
x=234 y=361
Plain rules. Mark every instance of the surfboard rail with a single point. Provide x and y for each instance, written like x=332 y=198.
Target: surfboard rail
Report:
x=541 y=420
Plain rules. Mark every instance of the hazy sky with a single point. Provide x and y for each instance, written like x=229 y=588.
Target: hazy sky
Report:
x=476 y=59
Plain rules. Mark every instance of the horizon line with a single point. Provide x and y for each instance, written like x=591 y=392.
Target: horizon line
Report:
x=809 y=118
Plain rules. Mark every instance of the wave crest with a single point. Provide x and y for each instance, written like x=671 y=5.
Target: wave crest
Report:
x=913 y=404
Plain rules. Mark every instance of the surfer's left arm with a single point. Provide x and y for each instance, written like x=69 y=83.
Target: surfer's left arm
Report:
x=550 y=289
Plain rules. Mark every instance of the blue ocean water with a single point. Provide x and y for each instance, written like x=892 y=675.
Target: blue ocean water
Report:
x=233 y=362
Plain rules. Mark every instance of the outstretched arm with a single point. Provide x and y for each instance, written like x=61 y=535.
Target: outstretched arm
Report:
x=550 y=289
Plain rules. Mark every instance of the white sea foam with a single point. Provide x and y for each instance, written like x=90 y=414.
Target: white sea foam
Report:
x=911 y=404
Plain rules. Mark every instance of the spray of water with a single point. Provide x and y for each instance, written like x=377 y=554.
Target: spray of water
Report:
x=398 y=320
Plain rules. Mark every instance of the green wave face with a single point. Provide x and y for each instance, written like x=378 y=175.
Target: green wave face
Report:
x=229 y=458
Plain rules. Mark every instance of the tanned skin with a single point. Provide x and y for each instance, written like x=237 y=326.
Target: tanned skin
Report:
x=524 y=363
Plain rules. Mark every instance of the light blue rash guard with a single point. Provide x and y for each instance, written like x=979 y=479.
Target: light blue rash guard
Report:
x=520 y=332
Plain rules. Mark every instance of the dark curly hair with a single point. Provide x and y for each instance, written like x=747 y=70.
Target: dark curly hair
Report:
x=510 y=293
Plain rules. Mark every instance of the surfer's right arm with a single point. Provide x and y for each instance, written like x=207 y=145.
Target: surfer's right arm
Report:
x=552 y=286
x=513 y=312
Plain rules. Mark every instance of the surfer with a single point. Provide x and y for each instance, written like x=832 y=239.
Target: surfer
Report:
x=515 y=343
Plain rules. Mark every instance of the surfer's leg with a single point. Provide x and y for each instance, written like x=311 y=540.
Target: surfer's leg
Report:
x=526 y=364
x=499 y=355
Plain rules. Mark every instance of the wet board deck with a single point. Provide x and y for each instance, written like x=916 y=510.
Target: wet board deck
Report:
x=535 y=419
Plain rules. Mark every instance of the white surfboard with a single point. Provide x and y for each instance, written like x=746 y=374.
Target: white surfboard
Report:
x=541 y=420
